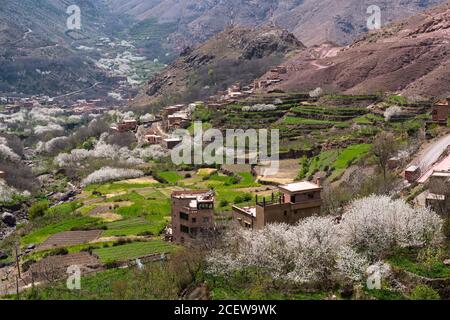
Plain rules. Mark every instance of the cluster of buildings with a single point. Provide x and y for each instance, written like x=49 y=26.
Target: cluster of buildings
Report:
x=193 y=210
x=175 y=117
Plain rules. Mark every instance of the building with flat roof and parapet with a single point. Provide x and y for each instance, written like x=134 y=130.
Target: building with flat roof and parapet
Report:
x=438 y=197
x=296 y=201
x=441 y=111
x=192 y=215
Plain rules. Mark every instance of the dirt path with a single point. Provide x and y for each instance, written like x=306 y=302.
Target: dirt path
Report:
x=431 y=154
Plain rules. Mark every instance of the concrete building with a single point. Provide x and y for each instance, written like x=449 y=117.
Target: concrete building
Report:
x=297 y=201
x=192 y=215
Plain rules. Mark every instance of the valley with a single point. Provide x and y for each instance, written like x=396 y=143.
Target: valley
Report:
x=91 y=123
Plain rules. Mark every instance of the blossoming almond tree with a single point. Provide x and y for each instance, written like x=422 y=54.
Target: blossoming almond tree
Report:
x=318 y=249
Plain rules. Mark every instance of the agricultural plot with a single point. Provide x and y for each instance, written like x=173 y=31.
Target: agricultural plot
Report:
x=334 y=161
x=128 y=227
x=39 y=235
x=133 y=250
x=69 y=238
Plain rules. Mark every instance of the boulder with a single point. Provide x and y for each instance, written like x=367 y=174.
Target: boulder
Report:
x=9 y=219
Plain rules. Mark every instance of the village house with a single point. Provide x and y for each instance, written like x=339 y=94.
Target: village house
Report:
x=438 y=197
x=171 y=143
x=297 y=201
x=192 y=215
x=412 y=173
x=125 y=126
x=441 y=111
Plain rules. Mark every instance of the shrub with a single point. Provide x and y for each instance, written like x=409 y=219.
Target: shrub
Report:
x=121 y=242
x=224 y=203
x=57 y=252
x=247 y=197
x=424 y=292
x=238 y=199
x=38 y=209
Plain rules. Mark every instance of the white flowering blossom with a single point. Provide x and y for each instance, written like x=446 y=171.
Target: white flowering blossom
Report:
x=319 y=249
x=111 y=174
x=151 y=152
x=51 y=127
x=6 y=192
x=259 y=108
x=52 y=144
x=350 y=264
x=376 y=224
x=392 y=112
x=6 y=152
x=147 y=117
x=316 y=93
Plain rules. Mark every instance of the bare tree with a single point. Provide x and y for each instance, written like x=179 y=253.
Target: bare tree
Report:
x=384 y=147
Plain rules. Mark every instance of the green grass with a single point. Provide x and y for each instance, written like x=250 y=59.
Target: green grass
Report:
x=348 y=157
x=350 y=154
x=97 y=286
x=133 y=250
x=407 y=261
x=128 y=227
x=41 y=234
x=171 y=176
x=312 y=122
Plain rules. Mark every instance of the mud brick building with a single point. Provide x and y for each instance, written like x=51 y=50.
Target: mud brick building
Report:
x=192 y=215
x=297 y=201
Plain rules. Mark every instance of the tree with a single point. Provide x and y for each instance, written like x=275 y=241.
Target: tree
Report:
x=384 y=147
x=38 y=209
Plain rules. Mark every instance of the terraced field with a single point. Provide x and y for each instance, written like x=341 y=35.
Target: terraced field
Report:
x=133 y=250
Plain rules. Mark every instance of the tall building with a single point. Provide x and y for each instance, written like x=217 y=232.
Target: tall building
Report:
x=192 y=215
x=297 y=201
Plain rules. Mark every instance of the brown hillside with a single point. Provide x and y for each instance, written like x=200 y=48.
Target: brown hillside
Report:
x=411 y=57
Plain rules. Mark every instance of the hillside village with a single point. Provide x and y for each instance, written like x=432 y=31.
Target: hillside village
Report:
x=87 y=180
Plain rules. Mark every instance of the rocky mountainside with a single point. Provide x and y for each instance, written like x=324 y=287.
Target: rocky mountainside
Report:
x=312 y=21
x=236 y=54
x=411 y=57
x=37 y=51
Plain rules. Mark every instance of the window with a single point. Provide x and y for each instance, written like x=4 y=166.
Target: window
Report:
x=184 y=229
x=184 y=216
x=311 y=195
x=205 y=219
x=194 y=220
x=208 y=205
x=285 y=213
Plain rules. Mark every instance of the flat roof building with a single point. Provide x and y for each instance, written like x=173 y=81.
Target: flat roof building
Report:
x=295 y=202
x=192 y=215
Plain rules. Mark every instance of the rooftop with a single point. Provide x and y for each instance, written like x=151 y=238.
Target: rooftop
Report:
x=300 y=186
x=412 y=168
x=441 y=174
x=248 y=210
x=199 y=195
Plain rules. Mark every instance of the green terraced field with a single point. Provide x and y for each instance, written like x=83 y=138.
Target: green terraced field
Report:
x=129 y=227
x=134 y=250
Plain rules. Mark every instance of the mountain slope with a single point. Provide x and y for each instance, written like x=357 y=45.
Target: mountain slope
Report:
x=312 y=21
x=37 y=51
x=237 y=54
x=411 y=57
